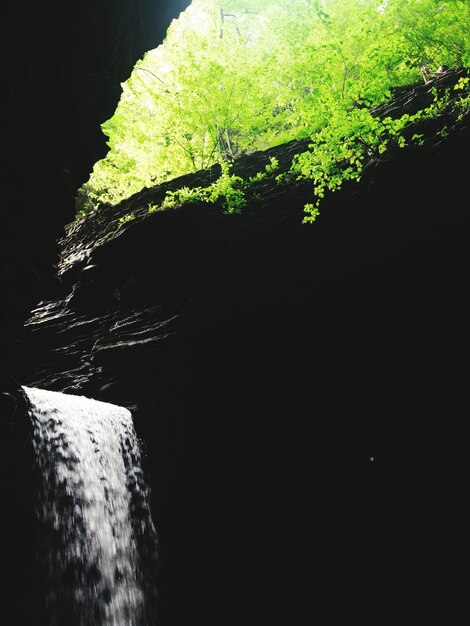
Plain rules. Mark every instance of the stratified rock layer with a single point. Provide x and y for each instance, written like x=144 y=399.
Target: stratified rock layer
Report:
x=62 y=70
x=298 y=387
x=62 y=65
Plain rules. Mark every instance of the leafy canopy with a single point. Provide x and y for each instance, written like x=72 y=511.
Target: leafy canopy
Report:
x=233 y=76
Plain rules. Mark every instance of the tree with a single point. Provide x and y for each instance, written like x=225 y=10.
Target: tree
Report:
x=238 y=75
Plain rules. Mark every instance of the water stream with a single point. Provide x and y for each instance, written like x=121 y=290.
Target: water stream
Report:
x=97 y=540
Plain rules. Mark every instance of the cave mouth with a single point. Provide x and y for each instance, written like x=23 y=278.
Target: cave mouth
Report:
x=235 y=495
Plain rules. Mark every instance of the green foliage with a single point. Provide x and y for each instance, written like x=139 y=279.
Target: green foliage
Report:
x=229 y=189
x=181 y=196
x=463 y=102
x=126 y=218
x=242 y=75
x=339 y=151
x=442 y=100
x=312 y=212
x=272 y=166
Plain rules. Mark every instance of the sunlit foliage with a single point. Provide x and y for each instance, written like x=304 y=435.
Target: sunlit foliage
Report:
x=233 y=76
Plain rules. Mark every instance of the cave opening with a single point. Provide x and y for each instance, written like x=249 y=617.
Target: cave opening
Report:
x=297 y=390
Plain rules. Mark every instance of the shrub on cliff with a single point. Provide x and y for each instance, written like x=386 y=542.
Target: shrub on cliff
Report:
x=235 y=76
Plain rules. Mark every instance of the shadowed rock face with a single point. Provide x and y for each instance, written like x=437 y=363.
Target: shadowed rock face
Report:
x=62 y=68
x=266 y=362
x=62 y=64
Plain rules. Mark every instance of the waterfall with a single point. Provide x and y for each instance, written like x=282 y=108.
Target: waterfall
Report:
x=97 y=538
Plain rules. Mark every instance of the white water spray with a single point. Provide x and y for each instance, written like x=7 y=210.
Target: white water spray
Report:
x=93 y=510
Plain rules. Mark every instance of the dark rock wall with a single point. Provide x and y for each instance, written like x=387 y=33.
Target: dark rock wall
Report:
x=62 y=67
x=62 y=64
x=266 y=362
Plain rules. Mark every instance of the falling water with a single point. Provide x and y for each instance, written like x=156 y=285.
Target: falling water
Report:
x=98 y=538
